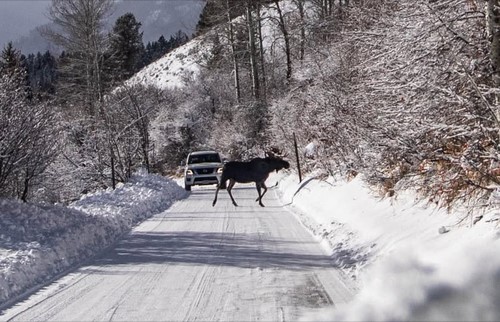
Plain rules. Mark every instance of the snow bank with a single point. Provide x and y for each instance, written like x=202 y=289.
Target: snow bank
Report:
x=37 y=242
x=407 y=268
x=456 y=281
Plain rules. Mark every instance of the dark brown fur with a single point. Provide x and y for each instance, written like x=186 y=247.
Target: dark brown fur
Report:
x=257 y=170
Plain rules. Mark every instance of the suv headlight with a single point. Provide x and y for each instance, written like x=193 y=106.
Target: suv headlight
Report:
x=189 y=172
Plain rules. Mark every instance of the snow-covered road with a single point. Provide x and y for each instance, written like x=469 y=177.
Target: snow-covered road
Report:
x=197 y=262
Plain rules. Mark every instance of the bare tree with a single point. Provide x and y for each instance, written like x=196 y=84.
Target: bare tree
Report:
x=324 y=7
x=300 y=6
x=29 y=138
x=127 y=126
x=80 y=32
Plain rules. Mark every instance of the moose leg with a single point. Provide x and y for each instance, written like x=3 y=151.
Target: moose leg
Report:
x=215 y=199
x=220 y=185
x=257 y=185
x=216 y=193
x=229 y=187
x=263 y=185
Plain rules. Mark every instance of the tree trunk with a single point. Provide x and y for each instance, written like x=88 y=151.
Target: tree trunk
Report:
x=143 y=128
x=113 y=176
x=145 y=144
x=253 y=51
x=286 y=38
x=24 y=196
x=300 y=5
x=233 y=52
x=261 y=51
x=494 y=29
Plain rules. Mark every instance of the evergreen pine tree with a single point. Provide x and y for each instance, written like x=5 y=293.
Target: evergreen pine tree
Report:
x=157 y=49
x=49 y=73
x=14 y=64
x=215 y=13
x=41 y=73
x=11 y=58
x=126 y=47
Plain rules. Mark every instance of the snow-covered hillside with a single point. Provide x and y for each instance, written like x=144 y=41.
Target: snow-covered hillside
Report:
x=183 y=64
x=176 y=68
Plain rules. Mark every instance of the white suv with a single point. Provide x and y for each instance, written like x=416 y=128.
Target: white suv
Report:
x=202 y=168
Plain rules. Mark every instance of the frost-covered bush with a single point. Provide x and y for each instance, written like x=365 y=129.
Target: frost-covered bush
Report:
x=29 y=137
x=406 y=98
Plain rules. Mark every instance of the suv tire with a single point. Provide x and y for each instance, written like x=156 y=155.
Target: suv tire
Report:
x=187 y=187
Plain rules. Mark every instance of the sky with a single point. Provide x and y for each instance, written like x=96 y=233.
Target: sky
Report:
x=18 y=17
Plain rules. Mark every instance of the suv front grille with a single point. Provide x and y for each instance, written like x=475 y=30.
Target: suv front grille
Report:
x=205 y=171
x=206 y=179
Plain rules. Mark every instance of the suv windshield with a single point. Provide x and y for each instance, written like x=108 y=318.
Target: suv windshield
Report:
x=203 y=158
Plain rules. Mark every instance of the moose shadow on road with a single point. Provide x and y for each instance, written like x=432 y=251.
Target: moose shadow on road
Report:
x=246 y=250
x=201 y=248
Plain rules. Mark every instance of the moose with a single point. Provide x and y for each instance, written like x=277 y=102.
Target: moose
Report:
x=256 y=170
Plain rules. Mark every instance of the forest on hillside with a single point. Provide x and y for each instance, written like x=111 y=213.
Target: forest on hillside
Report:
x=403 y=92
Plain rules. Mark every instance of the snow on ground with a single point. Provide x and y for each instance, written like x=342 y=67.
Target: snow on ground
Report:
x=413 y=261
x=396 y=249
x=37 y=242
